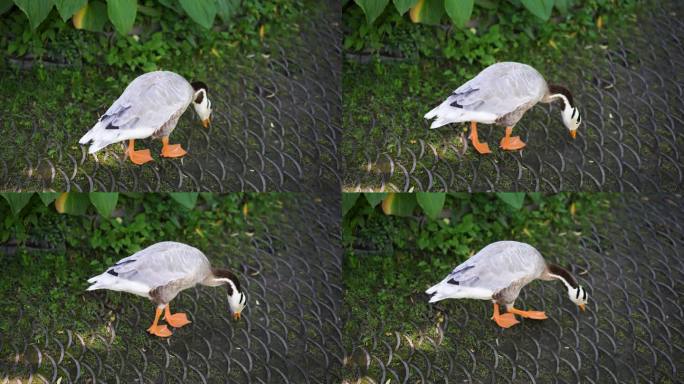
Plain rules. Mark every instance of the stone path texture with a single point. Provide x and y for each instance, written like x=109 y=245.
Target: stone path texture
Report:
x=632 y=331
x=275 y=127
x=289 y=331
x=631 y=96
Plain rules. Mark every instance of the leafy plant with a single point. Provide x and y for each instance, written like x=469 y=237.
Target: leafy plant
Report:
x=459 y=11
x=92 y=14
x=390 y=260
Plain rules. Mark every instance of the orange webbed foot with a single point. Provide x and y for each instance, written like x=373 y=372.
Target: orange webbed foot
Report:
x=159 y=330
x=536 y=315
x=140 y=157
x=512 y=143
x=506 y=320
x=177 y=320
x=173 y=150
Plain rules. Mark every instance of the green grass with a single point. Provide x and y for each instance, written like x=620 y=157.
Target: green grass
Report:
x=48 y=257
x=390 y=261
x=47 y=108
x=388 y=98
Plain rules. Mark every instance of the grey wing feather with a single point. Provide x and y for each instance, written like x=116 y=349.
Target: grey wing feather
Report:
x=163 y=263
x=498 y=265
x=149 y=102
x=500 y=89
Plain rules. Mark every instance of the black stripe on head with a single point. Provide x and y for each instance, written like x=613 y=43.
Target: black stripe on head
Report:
x=562 y=272
x=578 y=292
x=111 y=272
x=453 y=281
x=557 y=89
x=226 y=274
x=585 y=295
x=197 y=85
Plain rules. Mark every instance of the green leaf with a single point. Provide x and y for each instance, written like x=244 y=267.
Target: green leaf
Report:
x=431 y=202
x=540 y=8
x=104 y=202
x=47 y=197
x=5 y=5
x=122 y=14
x=348 y=201
x=68 y=8
x=17 y=200
x=203 y=12
x=374 y=198
x=72 y=203
x=35 y=10
x=562 y=6
x=514 y=199
x=92 y=17
x=459 y=11
x=186 y=199
x=428 y=12
x=372 y=8
x=403 y=5
x=399 y=204
x=226 y=9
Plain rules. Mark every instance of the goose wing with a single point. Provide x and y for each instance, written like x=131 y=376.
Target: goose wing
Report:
x=497 y=266
x=145 y=106
x=500 y=89
x=155 y=266
x=492 y=269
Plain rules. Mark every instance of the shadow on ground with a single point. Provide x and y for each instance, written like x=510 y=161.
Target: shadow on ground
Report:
x=275 y=127
x=289 y=332
x=630 y=96
x=631 y=332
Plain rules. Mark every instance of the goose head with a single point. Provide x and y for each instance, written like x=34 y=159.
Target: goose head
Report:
x=576 y=292
x=236 y=297
x=201 y=102
x=578 y=296
x=569 y=112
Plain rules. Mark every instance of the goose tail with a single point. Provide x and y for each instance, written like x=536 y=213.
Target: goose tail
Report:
x=102 y=281
x=447 y=113
x=99 y=137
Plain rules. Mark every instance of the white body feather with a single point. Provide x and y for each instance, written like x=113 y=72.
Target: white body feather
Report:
x=499 y=90
x=148 y=103
x=155 y=266
x=503 y=265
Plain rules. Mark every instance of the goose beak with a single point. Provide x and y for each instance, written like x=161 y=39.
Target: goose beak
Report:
x=206 y=122
x=581 y=307
x=573 y=134
x=236 y=316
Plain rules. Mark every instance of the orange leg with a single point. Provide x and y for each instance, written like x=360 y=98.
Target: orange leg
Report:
x=482 y=148
x=506 y=320
x=537 y=315
x=138 y=157
x=176 y=320
x=511 y=143
x=159 y=330
x=171 y=150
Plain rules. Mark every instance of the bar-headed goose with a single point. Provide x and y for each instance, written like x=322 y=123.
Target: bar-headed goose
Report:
x=149 y=107
x=498 y=272
x=501 y=94
x=160 y=271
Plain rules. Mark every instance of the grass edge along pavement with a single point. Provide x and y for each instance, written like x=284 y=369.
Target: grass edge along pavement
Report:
x=384 y=280
x=385 y=100
x=54 y=106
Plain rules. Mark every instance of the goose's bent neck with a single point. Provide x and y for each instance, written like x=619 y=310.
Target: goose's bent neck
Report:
x=563 y=275
x=220 y=277
x=557 y=92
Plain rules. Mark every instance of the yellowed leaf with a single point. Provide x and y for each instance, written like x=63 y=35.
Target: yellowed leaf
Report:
x=59 y=202
x=77 y=18
x=415 y=11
